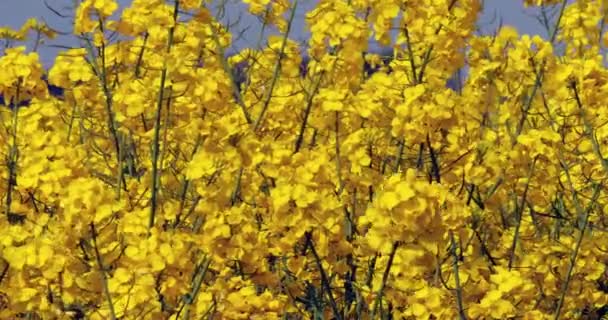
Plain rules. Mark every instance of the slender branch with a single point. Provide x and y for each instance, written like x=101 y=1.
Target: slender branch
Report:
x=140 y=58
x=519 y=214
x=277 y=69
x=12 y=155
x=324 y=279
x=235 y=89
x=589 y=129
x=435 y=171
x=573 y=257
x=236 y=194
x=103 y=77
x=399 y=155
x=338 y=160
x=387 y=271
x=458 y=289
x=539 y=78
x=104 y=276
x=300 y=138
x=429 y=51
x=155 y=142
x=196 y=287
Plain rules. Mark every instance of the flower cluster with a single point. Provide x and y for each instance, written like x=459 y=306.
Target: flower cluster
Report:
x=171 y=182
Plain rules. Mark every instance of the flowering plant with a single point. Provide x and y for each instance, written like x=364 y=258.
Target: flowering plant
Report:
x=164 y=185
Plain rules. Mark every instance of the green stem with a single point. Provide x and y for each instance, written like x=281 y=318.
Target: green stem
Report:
x=324 y=278
x=539 y=78
x=573 y=257
x=277 y=69
x=111 y=121
x=12 y=156
x=387 y=271
x=157 y=118
x=459 y=303
x=519 y=213
x=104 y=276
x=196 y=287
x=228 y=71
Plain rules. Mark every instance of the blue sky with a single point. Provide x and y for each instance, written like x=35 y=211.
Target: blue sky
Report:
x=15 y=12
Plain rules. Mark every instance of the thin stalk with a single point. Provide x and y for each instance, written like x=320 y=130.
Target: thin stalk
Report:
x=429 y=51
x=300 y=138
x=111 y=121
x=258 y=46
x=196 y=287
x=71 y=123
x=186 y=185
x=12 y=156
x=589 y=130
x=539 y=77
x=167 y=123
x=338 y=161
x=237 y=188
x=159 y=107
x=324 y=278
x=120 y=174
x=519 y=214
x=585 y=214
x=315 y=87
x=387 y=271
x=411 y=54
x=458 y=289
x=140 y=56
x=350 y=276
x=435 y=171
x=399 y=155
x=228 y=71
x=104 y=276
x=277 y=69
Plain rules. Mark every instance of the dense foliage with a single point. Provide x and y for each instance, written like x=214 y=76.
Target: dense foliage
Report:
x=162 y=184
